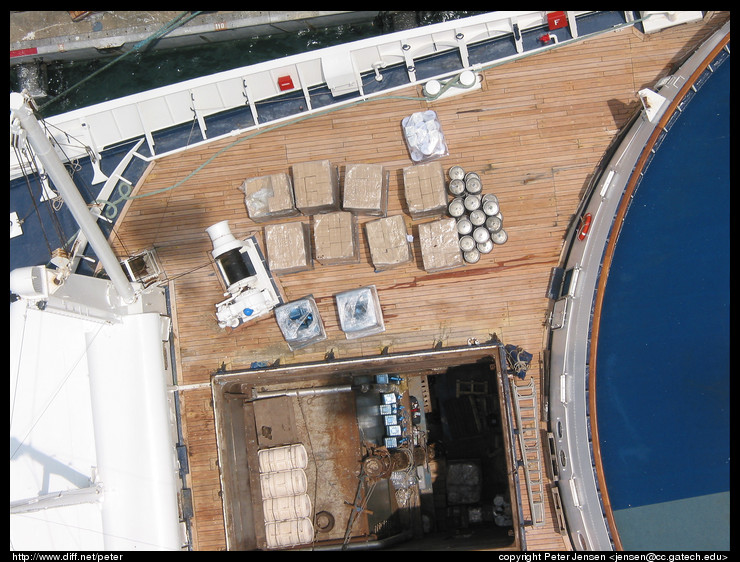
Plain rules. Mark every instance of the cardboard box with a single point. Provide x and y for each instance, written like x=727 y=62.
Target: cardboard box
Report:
x=335 y=238
x=359 y=312
x=316 y=187
x=440 y=245
x=388 y=241
x=425 y=189
x=366 y=189
x=288 y=247
x=300 y=323
x=269 y=197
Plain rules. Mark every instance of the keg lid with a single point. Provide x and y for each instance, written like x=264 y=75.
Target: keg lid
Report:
x=456 y=207
x=477 y=217
x=456 y=173
x=473 y=184
x=472 y=256
x=457 y=186
x=472 y=202
x=490 y=197
x=490 y=207
x=481 y=234
x=499 y=237
x=464 y=226
x=494 y=224
x=485 y=247
x=467 y=243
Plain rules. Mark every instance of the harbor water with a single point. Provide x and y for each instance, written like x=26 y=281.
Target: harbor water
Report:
x=148 y=69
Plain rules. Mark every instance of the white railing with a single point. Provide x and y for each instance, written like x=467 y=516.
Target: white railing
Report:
x=340 y=68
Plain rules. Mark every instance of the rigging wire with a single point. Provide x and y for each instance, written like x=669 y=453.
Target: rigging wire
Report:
x=180 y=20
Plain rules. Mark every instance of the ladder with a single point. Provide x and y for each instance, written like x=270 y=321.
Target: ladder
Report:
x=528 y=431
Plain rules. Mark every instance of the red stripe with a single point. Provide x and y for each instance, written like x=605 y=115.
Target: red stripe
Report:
x=23 y=52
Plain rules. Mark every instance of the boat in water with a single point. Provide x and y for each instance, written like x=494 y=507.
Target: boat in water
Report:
x=284 y=341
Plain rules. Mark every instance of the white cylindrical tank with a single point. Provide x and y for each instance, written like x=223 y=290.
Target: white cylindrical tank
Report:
x=283 y=458
x=293 y=532
x=283 y=483
x=286 y=507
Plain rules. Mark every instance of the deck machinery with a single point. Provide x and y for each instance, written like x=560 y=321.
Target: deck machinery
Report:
x=250 y=288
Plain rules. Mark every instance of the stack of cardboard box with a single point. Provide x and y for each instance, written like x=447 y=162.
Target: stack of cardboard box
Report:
x=425 y=189
x=366 y=189
x=269 y=197
x=336 y=238
x=440 y=247
x=316 y=187
x=388 y=242
x=288 y=247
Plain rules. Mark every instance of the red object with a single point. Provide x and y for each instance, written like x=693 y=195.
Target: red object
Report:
x=556 y=20
x=585 y=227
x=23 y=52
x=285 y=83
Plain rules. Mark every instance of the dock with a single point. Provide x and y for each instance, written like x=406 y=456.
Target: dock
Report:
x=535 y=132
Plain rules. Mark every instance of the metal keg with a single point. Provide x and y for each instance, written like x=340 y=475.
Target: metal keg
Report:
x=478 y=217
x=499 y=237
x=456 y=173
x=473 y=183
x=490 y=197
x=457 y=187
x=485 y=247
x=467 y=243
x=490 y=207
x=494 y=224
x=456 y=207
x=464 y=226
x=471 y=256
x=472 y=202
x=481 y=234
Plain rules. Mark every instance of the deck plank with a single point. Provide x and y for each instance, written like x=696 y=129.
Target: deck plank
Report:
x=535 y=132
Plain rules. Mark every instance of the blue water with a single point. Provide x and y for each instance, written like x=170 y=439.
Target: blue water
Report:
x=663 y=397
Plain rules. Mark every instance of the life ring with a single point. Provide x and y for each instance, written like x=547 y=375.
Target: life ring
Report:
x=585 y=226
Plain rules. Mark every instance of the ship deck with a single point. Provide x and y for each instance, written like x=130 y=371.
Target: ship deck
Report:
x=536 y=133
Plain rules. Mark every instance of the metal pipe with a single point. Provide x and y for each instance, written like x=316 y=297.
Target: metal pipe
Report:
x=302 y=391
x=77 y=206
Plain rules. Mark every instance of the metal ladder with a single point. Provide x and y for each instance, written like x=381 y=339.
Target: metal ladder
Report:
x=528 y=431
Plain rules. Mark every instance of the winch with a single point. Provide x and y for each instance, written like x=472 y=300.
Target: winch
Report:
x=250 y=288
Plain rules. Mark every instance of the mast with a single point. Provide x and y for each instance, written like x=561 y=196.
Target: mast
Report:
x=68 y=190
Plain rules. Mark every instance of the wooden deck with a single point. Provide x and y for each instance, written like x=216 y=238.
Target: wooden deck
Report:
x=535 y=134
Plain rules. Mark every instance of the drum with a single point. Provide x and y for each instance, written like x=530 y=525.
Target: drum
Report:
x=499 y=237
x=473 y=184
x=472 y=202
x=456 y=173
x=467 y=243
x=485 y=247
x=456 y=187
x=490 y=207
x=472 y=256
x=464 y=226
x=494 y=224
x=481 y=234
x=478 y=217
x=456 y=208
